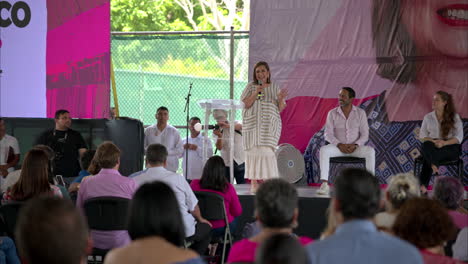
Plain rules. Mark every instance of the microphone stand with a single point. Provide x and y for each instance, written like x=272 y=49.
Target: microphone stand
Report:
x=187 y=110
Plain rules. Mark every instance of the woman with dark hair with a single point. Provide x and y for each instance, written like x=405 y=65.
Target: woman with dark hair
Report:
x=442 y=134
x=276 y=208
x=281 y=249
x=426 y=224
x=34 y=179
x=156 y=229
x=261 y=128
x=214 y=180
x=449 y=191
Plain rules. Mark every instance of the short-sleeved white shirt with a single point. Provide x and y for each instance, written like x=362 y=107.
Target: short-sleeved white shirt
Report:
x=431 y=128
x=239 y=155
x=170 y=138
x=5 y=143
x=184 y=194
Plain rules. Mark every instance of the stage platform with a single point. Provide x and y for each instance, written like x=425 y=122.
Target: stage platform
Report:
x=312 y=209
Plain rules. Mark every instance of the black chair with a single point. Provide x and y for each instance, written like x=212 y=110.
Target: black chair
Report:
x=418 y=163
x=105 y=214
x=347 y=160
x=8 y=218
x=212 y=208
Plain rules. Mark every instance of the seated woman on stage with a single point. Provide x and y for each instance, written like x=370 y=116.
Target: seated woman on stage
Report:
x=425 y=224
x=156 y=228
x=277 y=211
x=401 y=187
x=214 y=180
x=34 y=179
x=442 y=134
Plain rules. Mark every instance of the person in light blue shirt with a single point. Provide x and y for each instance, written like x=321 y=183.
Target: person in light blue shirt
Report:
x=356 y=198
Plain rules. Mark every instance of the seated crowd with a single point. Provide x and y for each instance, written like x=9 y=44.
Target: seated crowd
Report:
x=165 y=224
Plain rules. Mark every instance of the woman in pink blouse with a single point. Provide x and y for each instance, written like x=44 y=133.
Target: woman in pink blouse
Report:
x=277 y=210
x=33 y=179
x=214 y=180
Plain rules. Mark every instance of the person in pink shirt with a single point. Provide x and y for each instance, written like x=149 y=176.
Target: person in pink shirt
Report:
x=449 y=191
x=347 y=130
x=214 y=180
x=277 y=211
x=108 y=182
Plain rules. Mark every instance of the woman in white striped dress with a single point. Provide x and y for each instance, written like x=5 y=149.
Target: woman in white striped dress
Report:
x=261 y=126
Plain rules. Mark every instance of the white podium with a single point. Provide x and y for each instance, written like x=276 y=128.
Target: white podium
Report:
x=231 y=106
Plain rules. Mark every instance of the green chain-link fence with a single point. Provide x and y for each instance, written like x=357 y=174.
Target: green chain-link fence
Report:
x=156 y=70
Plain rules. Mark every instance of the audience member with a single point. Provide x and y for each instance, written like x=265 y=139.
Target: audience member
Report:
x=426 y=224
x=156 y=228
x=449 y=191
x=85 y=162
x=167 y=135
x=68 y=144
x=214 y=180
x=8 y=253
x=281 y=249
x=108 y=182
x=9 y=152
x=460 y=247
x=51 y=230
x=34 y=179
x=357 y=240
x=333 y=221
x=276 y=203
x=194 y=150
x=401 y=187
x=197 y=228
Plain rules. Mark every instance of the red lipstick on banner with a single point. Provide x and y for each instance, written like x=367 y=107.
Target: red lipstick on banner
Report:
x=454 y=15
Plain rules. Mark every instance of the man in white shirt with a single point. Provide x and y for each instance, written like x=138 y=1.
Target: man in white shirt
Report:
x=9 y=152
x=197 y=228
x=167 y=135
x=347 y=131
x=221 y=137
x=194 y=150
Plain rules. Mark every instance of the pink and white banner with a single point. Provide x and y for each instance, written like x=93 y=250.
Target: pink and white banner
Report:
x=395 y=53
x=59 y=59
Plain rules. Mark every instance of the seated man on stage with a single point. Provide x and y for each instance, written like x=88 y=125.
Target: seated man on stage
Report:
x=347 y=131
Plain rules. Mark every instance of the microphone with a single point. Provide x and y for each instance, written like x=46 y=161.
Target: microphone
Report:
x=260 y=95
x=199 y=127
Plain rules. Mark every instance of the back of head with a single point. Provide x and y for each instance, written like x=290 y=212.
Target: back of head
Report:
x=154 y=211
x=449 y=191
x=276 y=202
x=213 y=176
x=107 y=155
x=51 y=230
x=424 y=222
x=358 y=193
x=34 y=177
x=281 y=249
x=156 y=154
x=402 y=187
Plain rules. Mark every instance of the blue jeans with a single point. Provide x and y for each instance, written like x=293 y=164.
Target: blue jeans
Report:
x=8 y=251
x=219 y=232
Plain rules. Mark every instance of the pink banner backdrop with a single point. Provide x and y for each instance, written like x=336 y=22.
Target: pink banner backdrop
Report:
x=395 y=53
x=78 y=57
